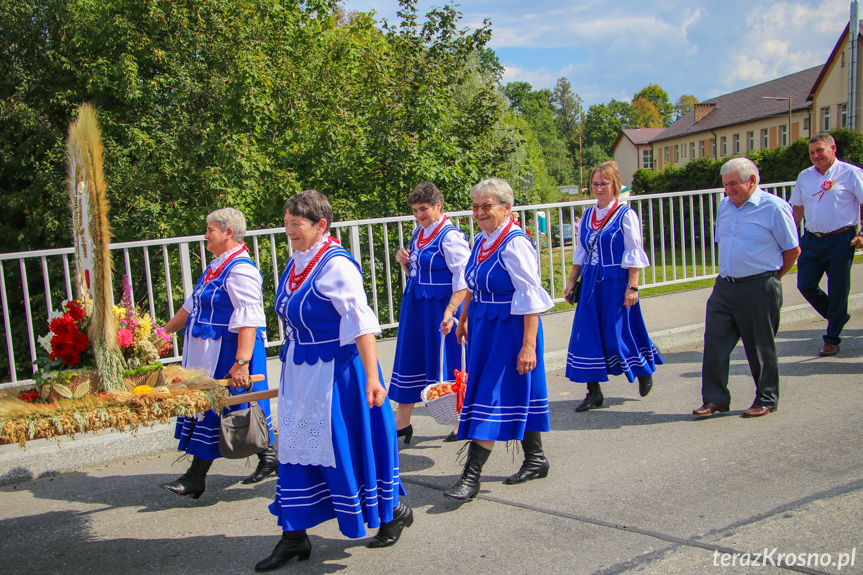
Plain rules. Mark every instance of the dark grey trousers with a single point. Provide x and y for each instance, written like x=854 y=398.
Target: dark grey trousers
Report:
x=747 y=310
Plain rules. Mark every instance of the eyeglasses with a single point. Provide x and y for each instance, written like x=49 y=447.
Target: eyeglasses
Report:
x=484 y=207
x=600 y=184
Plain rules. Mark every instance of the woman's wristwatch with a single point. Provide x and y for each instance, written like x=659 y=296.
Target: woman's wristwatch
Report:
x=632 y=287
x=242 y=362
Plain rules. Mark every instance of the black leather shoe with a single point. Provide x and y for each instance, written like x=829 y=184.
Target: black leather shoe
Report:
x=451 y=437
x=292 y=544
x=406 y=432
x=535 y=464
x=468 y=484
x=593 y=399
x=193 y=482
x=645 y=384
x=268 y=464
x=389 y=533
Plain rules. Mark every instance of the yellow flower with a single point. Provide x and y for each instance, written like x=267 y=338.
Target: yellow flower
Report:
x=119 y=312
x=142 y=390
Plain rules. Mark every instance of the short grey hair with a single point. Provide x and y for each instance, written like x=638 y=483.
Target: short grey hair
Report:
x=823 y=137
x=743 y=167
x=496 y=187
x=229 y=218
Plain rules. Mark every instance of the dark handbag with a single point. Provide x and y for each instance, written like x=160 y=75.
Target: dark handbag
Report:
x=243 y=432
x=573 y=296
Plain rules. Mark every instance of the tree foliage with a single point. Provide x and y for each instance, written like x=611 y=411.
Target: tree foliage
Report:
x=683 y=105
x=659 y=98
x=242 y=103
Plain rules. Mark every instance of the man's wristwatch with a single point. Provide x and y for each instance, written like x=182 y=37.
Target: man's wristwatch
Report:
x=242 y=362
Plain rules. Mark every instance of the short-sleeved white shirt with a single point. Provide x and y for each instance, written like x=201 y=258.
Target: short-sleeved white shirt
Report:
x=830 y=201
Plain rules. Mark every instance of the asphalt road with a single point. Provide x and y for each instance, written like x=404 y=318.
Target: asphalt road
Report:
x=635 y=487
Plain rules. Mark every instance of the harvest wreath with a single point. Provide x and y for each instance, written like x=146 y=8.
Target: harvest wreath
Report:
x=24 y=416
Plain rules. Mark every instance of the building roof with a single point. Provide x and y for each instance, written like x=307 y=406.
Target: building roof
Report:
x=638 y=136
x=826 y=68
x=748 y=105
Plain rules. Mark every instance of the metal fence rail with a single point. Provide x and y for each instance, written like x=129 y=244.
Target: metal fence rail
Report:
x=678 y=231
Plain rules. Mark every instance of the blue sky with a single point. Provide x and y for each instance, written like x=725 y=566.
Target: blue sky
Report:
x=612 y=49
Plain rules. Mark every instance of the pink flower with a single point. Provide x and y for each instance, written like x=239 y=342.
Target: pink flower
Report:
x=124 y=337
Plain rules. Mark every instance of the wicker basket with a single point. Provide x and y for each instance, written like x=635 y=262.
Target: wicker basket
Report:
x=444 y=408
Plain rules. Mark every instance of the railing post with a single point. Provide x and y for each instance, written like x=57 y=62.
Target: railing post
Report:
x=186 y=270
x=355 y=243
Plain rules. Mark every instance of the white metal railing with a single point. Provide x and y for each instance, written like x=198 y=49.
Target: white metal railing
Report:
x=678 y=231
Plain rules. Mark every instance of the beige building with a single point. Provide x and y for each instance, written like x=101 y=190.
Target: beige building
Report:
x=764 y=116
x=633 y=150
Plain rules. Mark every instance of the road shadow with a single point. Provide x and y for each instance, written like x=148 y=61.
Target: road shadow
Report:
x=62 y=543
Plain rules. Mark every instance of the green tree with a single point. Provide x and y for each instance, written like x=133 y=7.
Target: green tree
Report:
x=518 y=95
x=684 y=104
x=659 y=98
x=567 y=112
x=603 y=122
x=645 y=114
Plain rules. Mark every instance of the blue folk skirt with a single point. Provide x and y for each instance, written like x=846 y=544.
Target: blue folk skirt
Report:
x=364 y=487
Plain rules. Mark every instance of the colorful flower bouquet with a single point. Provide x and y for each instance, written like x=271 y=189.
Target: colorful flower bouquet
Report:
x=65 y=362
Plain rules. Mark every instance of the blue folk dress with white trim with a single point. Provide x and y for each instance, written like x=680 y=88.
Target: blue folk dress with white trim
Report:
x=208 y=323
x=607 y=338
x=500 y=404
x=428 y=291
x=351 y=475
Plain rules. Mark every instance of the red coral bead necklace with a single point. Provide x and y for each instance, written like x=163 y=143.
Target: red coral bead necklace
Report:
x=296 y=280
x=485 y=253
x=597 y=224
x=214 y=273
x=423 y=242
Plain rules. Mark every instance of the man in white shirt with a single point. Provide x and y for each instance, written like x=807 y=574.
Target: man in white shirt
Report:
x=829 y=195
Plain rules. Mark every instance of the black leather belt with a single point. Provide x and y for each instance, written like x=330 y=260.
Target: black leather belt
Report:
x=833 y=233
x=749 y=278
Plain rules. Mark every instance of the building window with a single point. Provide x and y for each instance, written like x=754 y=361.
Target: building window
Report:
x=701 y=147
x=692 y=150
x=713 y=148
x=842 y=59
x=676 y=152
x=735 y=146
x=843 y=116
x=825 y=119
x=750 y=141
x=665 y=150
x=783 y=135
x=723 y=148
x=647 y=159
x=806 y=123
x=765 y=139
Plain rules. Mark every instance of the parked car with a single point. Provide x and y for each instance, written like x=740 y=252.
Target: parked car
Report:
x=567 y=236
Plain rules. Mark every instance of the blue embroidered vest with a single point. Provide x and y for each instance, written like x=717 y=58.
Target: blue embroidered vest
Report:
x=212 y=307
x=489 y=282
x=311 y=318
x=609 y=248
x=430 y=278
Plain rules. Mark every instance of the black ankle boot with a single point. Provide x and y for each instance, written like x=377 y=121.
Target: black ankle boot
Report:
x=593 y=398
x=406 y=432
x=467 y=486
x=389 y=533
x=292 y=544
x=535 y=464
x=268 y=463
x=645 y=384
x=193 y=482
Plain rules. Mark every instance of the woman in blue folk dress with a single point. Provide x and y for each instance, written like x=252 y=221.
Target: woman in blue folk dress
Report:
x=506 y=395
x=434 y=262
x=225 y=327
x=338 y=451
x=608 y=332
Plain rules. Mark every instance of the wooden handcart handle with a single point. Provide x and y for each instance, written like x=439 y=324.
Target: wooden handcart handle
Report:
x=247 y=397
